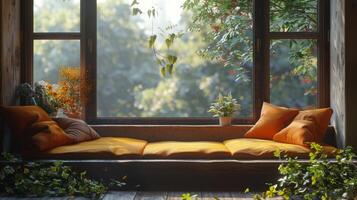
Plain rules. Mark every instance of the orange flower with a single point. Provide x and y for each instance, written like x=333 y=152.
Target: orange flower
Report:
x=71 y=90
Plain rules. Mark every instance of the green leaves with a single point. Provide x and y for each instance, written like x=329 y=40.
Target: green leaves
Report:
x=135 y=2
x=163 y=71
x=188 y=196
x=320 y=178
x=170 y=40
x=137 y=11
x=152 y=40
x=246 y=190
x=171 y=59
x=165 y=62
x=229 y=35
x=37 y=180
x=151 y=12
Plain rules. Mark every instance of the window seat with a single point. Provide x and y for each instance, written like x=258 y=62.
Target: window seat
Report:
x=175 y=143
x=177 y=158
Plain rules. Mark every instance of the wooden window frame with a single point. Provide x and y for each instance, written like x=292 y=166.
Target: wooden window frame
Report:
x=261 y=69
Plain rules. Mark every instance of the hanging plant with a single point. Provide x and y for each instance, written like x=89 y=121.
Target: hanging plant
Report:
x=167 y=60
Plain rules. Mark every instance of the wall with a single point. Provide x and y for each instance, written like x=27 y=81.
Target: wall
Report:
x=10 y=50
x=351 y=72
x=343 y=61
x=10 y=56
x=337 y=63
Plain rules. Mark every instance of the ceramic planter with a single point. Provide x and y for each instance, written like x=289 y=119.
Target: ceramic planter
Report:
x=225 y=121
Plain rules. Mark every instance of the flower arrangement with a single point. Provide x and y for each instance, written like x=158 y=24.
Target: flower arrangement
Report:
x=68 y=90
x=69 y=94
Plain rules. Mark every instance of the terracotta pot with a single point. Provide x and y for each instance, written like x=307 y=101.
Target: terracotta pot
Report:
x=225 y=121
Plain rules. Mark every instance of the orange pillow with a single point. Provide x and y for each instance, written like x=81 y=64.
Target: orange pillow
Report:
x=47 y=135
x=308 y=126
x=19 y=118
x=272 y=120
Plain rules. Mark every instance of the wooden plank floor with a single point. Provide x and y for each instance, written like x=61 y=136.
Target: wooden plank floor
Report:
x=155 y=196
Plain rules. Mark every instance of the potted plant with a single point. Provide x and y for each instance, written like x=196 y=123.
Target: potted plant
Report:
x=224 y=107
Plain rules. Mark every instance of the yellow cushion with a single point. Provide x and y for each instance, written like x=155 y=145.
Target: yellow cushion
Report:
x=102 y=148
x=246 y=148
x=194 y=150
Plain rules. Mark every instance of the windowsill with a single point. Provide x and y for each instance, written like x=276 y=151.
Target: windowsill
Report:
x=206 y=122
x=172 y=125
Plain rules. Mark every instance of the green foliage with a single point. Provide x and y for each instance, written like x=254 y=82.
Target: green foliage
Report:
x=224 y=106
x=320 y=178
x=293 y=15
x=37 y=180
x=188 y=196
x=230 y=40
x=137 y=11
x=230 y=32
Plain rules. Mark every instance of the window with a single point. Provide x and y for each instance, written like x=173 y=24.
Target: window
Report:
x=54 y=42
x=293 y=60
x=129 y=83
x=293 y=65
x=51 y=55
x=282 y=42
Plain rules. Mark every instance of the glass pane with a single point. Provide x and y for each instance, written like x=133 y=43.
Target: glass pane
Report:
x=51 y=55
x=293 y=15
x=293 y=73
x=56 y=15
x=129 y=83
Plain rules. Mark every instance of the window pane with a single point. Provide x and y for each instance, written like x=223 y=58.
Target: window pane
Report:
x=56 y=15
x=51 y=55
x=293 y=68
x=129 y=83
x=293 y=15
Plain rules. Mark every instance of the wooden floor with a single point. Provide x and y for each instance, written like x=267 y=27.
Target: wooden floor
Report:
x=158 y=196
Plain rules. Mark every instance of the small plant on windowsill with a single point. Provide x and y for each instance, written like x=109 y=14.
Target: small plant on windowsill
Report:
x=224 y=107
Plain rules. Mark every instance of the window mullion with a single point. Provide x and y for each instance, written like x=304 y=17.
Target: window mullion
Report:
x=323 y=54
x=89 y=56
x=294 y=35
x=261 y=55
x=57 y=36
x=27 y=55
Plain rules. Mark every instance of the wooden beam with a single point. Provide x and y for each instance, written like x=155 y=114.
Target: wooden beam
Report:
x=10 y=50
x=57 y=36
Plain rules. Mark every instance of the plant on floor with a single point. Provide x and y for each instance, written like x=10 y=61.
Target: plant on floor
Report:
x=224 y=107
x=36 y=180
x=319 y=178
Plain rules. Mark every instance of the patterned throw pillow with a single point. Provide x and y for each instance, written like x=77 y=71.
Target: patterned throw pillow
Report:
x=76 y=129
